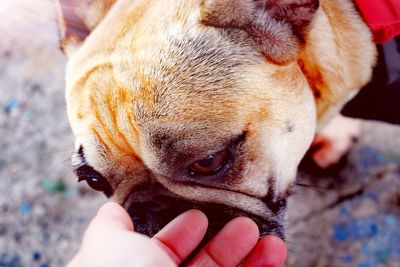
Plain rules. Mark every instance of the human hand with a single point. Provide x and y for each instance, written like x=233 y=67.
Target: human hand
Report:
x=110 y=241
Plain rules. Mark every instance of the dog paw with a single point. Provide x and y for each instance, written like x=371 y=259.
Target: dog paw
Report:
x=335 y=140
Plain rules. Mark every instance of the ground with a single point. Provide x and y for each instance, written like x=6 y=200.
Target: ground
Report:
x=349 y=219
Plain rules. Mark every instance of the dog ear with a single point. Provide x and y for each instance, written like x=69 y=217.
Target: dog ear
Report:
x=278 y=27
x=77 y=18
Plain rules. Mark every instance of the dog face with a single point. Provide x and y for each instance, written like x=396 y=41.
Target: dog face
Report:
x=181 y=106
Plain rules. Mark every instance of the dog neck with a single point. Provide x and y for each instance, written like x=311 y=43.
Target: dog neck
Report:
x=337 y=56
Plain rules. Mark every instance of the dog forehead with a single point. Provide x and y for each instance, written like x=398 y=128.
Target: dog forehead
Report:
x=196 y=79
x=174 y=66
x=194 y=75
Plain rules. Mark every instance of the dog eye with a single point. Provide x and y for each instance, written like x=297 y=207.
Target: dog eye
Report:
x=210 y=164
x=94 y=179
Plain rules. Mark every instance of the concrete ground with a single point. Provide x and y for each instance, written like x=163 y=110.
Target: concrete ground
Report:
x=350 y=219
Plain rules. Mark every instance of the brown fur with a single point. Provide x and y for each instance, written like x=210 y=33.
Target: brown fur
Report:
x=157 y=86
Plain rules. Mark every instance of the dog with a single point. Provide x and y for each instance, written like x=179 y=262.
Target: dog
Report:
x=206 y=104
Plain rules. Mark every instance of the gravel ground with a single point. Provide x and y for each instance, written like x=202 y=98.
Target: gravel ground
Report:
x=350 y=219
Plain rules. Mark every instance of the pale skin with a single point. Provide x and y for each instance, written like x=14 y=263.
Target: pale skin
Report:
x=335 y=140
x=109 y=240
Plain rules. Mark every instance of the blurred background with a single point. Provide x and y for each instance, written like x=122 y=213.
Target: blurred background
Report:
x=350 y=218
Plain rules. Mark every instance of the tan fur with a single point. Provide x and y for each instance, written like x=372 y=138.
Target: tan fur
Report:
x=144 y=73
x=338 y=57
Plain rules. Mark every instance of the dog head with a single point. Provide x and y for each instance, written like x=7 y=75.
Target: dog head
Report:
x=191 y=104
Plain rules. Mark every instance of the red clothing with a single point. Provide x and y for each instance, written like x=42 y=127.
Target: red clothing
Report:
x=382 y=17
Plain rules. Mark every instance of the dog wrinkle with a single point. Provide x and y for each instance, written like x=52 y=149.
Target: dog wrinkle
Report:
x=161 y=76
x=107 y=111
x=314 y=78
x=111 y=141
x=104 y=145
x=78 y=86
x=220 y=196
x=112 y=105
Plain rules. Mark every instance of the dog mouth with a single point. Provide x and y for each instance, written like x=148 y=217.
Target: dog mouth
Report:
x=152 y=206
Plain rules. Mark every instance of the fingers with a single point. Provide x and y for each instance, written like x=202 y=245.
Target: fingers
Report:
x=182 y=235
x=110 y=241
x=110 y=217
x=115 y=215
x=111 y=230
x=230 y=246
x=269 y=252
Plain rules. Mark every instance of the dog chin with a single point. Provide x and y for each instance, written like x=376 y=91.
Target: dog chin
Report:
x=151 y=207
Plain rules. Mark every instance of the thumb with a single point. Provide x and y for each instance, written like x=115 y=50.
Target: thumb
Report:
x=110 y=219
x=110 y=241
x=114 y=215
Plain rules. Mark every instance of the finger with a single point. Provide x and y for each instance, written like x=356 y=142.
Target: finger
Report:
x=110 y=241
x=269 y=252
x=114 y=214
x=182 y=235
x=75 y=261
x=230 y=246
x=110 y=217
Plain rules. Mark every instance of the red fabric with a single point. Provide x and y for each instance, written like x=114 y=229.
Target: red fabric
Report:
x=382 y=17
